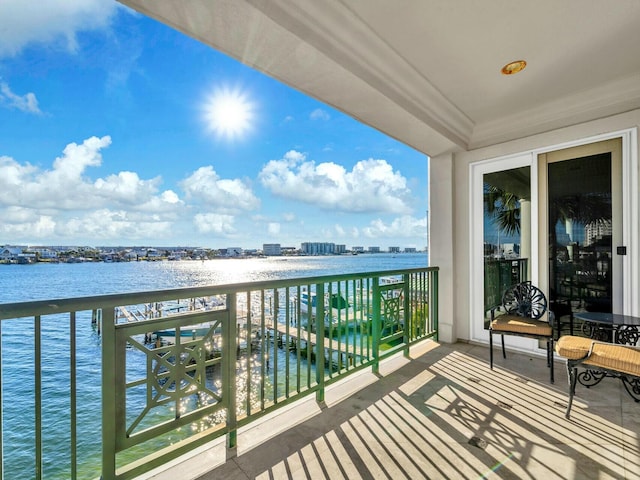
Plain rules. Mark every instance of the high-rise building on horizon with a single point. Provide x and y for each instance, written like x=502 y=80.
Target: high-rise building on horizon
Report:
x=271 y=249
x=318 y=248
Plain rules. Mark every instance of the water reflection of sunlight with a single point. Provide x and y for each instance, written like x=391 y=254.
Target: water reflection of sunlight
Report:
x=225 y=271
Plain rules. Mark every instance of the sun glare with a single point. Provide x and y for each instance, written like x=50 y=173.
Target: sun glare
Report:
x=229 y=113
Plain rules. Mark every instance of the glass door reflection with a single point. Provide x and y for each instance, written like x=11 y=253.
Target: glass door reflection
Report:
x=580 y=232
x=507 y=232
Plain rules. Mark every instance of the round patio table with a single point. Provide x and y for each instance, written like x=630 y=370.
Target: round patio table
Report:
x=610 y=327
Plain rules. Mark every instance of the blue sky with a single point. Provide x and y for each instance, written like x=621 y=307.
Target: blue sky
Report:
x=117 y=130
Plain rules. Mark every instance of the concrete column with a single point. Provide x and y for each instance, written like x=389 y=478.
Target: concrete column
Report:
x=441 y=241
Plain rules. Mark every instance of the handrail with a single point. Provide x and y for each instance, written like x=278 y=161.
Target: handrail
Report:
x=214 y=367
x=49 y=307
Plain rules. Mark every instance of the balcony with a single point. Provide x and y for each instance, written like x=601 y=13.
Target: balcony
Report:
x=167 y=398
x=119 y=385
x=442 y=414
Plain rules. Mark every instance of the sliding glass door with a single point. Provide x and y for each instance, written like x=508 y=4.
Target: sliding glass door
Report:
x=584 y=227
x=564 y=219
x=506 y=231
x=503 y=245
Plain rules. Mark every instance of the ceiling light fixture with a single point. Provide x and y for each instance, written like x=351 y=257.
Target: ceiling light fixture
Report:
x=513 y=67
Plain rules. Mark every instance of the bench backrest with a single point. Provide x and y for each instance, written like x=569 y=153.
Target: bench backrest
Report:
x=525 y=300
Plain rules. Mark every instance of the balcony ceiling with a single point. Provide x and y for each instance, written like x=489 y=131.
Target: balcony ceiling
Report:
x=428 y=72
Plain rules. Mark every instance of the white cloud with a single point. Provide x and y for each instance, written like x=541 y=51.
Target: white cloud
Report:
x=16 y=215
x=62 y=187
x=77 y=157
x=170 y=196
x=127 y=188
x=13 y=174
x=105 y=224
x=223 y=195
x=66 y=185
x=27 y=103
x=292 y=157
x=405 y=226
x=214 y=223
x=273 y=228
x=64 y=203
x=371 y=186
x=56 y=22
x=320 y=114
x=20 y=222
x=36 y=226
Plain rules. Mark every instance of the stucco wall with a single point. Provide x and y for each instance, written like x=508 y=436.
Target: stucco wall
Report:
x=441 y=235
x=449 y=211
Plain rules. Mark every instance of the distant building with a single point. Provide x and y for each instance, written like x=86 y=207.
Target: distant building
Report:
x=139 y=253
x=340 y=249
x=394 y=249
x=10 y=254
x=374 y=249
x=410 y=250
x=45 y=253
x=231 y=252
x=357 y=249
x=178 y=255
x=597 y=230
x=271 y=249
x=510 y=250
x=200 y=253
x=318 y=248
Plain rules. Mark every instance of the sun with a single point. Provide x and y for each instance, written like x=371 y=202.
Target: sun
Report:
x=229 y=114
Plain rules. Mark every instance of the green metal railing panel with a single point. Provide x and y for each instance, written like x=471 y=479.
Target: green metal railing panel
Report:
x=319 y=353
x=181 y=367
x=38 y=394
x=73 y=393
x=229 y=392
x=1 y=410
x=110 y=415
x=499 y=275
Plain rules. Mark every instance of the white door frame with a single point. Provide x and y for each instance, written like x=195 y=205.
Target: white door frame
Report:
x=630 y=227
x=476 y=285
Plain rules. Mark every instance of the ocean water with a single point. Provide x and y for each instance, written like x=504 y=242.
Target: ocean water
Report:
x=48 y=281
x=20 y=283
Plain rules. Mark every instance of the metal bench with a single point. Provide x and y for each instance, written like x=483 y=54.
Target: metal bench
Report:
x=599 y=360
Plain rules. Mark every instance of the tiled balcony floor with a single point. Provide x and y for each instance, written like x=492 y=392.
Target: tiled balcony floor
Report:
x=443 y=414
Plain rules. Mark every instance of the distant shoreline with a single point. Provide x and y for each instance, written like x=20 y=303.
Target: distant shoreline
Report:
x=80 y=259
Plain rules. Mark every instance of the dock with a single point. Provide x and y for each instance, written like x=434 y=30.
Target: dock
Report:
x=280 y=331
x=311 y=339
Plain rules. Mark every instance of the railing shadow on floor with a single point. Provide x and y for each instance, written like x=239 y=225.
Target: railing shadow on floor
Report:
x=444 y=414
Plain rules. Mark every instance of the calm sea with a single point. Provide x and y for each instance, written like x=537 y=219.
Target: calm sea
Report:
x=20 y=283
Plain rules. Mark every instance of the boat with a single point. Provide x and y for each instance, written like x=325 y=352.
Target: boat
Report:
x=338 y=310
x=191 y=332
